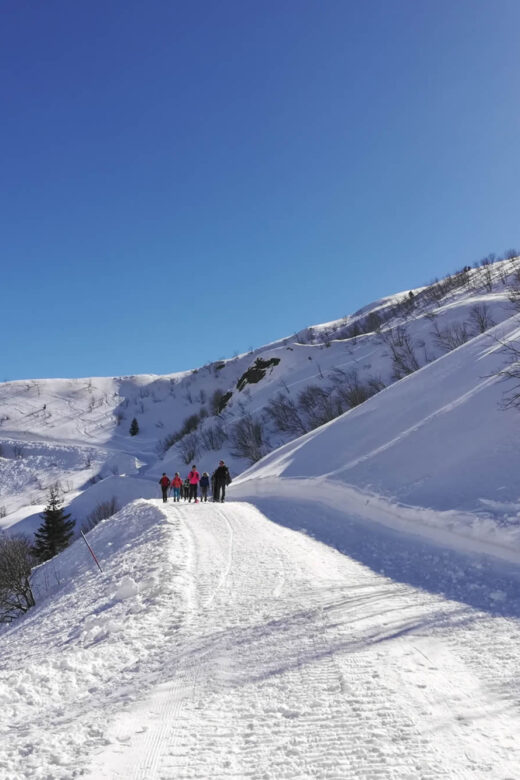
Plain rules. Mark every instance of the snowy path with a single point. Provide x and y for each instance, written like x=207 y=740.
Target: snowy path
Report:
x=294 y=661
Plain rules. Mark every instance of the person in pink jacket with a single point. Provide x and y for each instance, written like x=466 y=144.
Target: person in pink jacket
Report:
x=194 y=478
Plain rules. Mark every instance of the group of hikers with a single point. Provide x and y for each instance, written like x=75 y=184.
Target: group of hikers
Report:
x=188 y=488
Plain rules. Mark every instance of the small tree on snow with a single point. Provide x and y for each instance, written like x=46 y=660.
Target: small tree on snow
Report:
x=247 y=439
x=56 y=531
x=189 y=446
x=16 y=562
x=134 y=427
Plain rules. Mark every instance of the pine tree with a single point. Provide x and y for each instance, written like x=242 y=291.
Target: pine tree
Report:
x=134 y=427
x=56 y=531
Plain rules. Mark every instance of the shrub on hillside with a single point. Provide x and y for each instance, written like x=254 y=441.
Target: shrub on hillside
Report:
x=217 y=402
x=316 y=404
x=189 y=425
x=101 y=512
x=510 y=372
x=16 y=562
x=247 y=439
x=451 y=336
x=351 y=391
x=402 y=350
x=481 y=318
x=188 y=447
x=212 y=438
x=284 y=414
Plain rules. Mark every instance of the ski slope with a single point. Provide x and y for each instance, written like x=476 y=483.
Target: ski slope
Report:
x=220 y=643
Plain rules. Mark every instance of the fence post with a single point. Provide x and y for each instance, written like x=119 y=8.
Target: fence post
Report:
x=91 y=551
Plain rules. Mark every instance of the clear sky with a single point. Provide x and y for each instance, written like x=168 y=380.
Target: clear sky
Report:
x=183 y=179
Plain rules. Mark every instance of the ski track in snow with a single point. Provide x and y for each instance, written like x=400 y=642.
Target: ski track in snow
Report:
x=294 y=661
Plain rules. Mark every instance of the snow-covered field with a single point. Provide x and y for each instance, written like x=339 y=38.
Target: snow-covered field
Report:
x=218 y=643
x=352 y=612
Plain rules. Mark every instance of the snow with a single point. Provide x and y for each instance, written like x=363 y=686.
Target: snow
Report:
x=218 y=643
x=417 y=456
x=353 y=611
x=126 y=589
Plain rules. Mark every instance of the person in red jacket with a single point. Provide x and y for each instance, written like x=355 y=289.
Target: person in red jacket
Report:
x=176 y=486
x=194 y=478
x=164 y=482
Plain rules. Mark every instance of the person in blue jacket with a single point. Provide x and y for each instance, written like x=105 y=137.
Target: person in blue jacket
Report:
x=204 y=485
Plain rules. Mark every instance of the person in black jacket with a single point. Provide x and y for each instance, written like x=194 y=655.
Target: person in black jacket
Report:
x=221 y=478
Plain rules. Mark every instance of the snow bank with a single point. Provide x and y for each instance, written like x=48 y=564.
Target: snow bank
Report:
x=433 y=453
x=69 y=664
x=463 y=531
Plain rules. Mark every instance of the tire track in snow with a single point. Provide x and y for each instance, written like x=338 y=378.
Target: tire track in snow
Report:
x=298 y=663
x=229 y=561
x=169 y=703
x=282 y=693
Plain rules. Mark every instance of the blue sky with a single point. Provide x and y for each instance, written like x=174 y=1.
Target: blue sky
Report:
x=184 y=179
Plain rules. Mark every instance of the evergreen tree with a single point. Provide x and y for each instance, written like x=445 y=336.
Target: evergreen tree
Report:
x=134 y=427
x=56 y=531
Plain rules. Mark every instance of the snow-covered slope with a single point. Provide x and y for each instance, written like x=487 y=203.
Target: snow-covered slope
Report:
x=219 y=644
x=434 y=452
x=435 y=439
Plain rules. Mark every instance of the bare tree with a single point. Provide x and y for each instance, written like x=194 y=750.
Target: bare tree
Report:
x=352 y=391
x=16 y=562
x=514 y=289
x=402 y=350
x=452 y=336
x=481 y=318
x=488 y=278
x=189 y=446
x=247 y=439
x=212 y=438
x=510 y=372
x=101 y=512
x=317 y=406
x=284 y=414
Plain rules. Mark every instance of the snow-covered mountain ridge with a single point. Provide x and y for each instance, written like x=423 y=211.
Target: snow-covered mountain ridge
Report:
x=77 y=430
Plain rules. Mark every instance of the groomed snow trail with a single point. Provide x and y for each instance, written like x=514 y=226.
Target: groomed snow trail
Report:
x=294 y=661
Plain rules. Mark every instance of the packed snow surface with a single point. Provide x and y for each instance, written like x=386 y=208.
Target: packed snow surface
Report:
x=221 y=642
